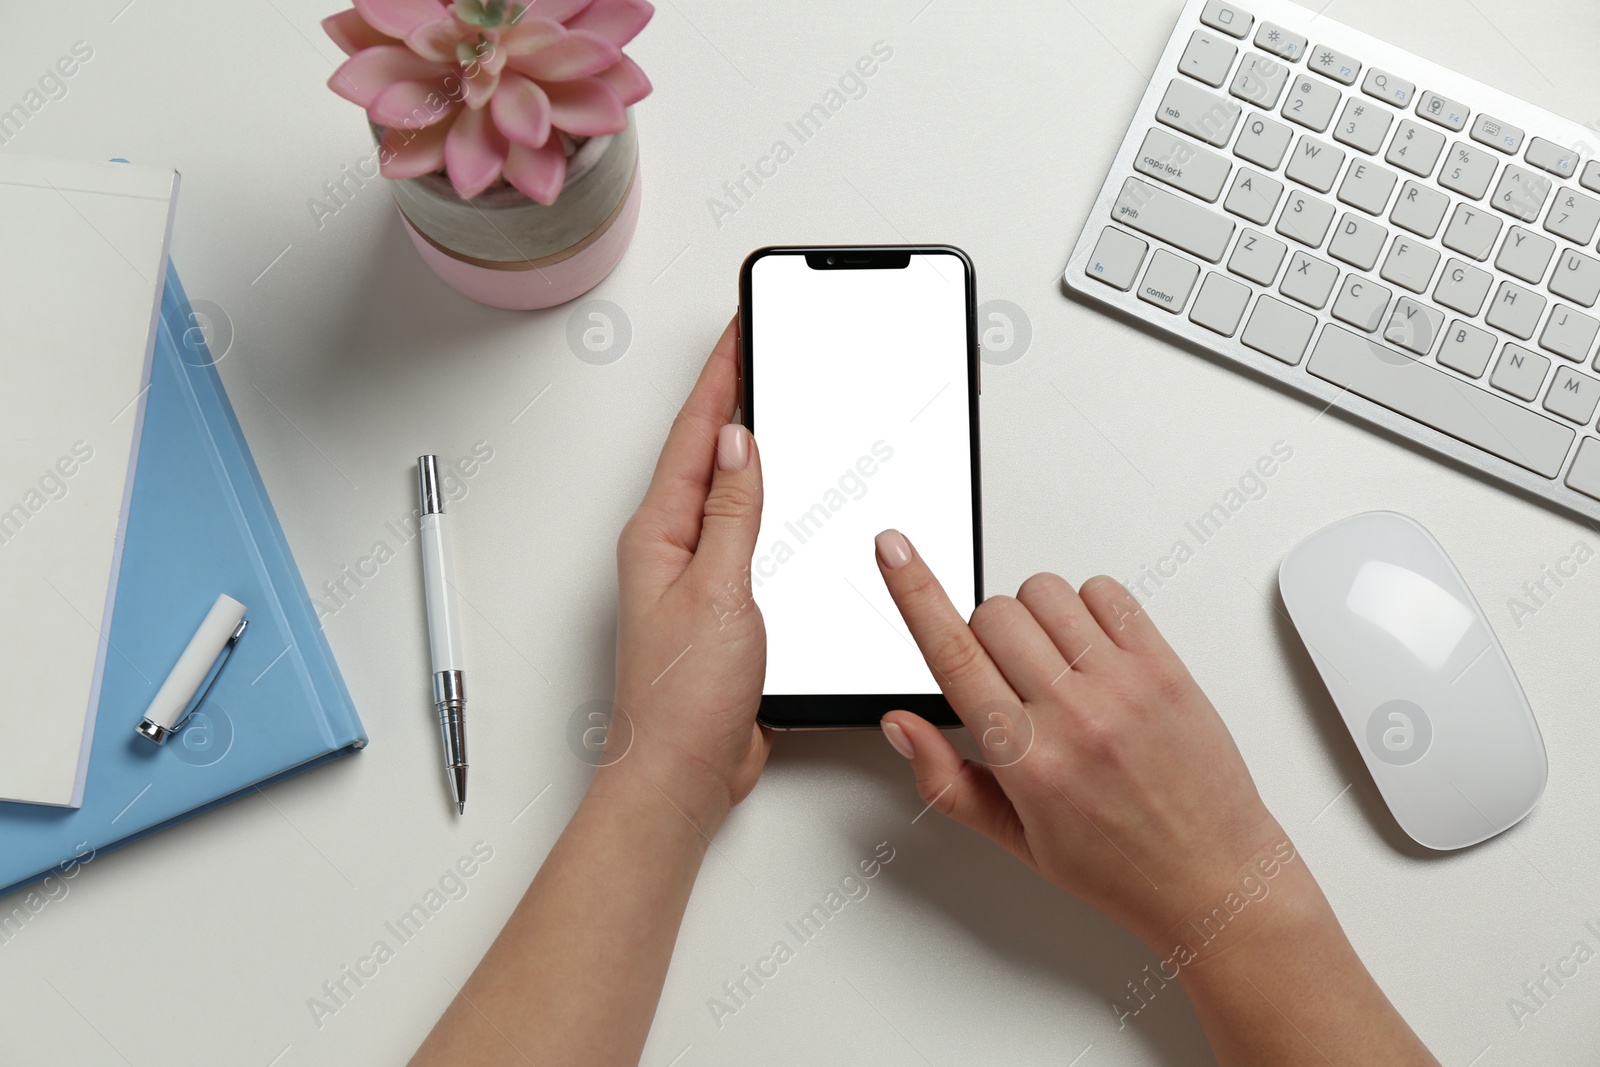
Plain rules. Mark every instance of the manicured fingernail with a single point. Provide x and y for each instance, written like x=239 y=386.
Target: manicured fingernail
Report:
x=899 y=739
x=733 y=447
x=893 y=549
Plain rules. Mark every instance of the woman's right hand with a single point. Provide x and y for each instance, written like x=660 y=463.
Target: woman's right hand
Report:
x=1107 y=769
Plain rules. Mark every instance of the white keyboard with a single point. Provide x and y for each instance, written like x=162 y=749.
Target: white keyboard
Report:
x=1369 y=228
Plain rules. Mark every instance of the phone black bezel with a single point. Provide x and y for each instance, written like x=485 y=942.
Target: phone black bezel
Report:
x=833 y=711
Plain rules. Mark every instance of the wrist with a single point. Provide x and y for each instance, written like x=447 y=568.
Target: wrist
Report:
x=1273 y=906
x=636 y=790
x=655 y=758
x=1225 y=907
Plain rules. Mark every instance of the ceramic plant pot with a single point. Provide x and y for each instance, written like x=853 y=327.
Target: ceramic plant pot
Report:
x=502 y=249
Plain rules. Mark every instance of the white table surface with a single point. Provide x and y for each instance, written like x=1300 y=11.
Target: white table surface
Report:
x=990 y=127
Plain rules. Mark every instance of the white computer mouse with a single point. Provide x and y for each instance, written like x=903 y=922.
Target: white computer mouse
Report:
x=1419 y=678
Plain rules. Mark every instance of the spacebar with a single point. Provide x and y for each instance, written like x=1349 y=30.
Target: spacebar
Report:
x=1433 y=398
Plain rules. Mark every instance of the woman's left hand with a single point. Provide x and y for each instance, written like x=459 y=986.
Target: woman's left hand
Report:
x=691 y=645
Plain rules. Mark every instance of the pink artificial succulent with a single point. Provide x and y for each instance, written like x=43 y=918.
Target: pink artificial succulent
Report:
x=486 y=89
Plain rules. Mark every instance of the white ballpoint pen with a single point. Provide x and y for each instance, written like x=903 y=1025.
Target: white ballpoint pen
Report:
x=444 y=628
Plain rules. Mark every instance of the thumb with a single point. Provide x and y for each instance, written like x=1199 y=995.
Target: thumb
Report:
x=957 y=788
x=732 y=517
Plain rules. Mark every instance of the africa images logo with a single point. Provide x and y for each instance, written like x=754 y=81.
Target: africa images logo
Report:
x=1399 y=733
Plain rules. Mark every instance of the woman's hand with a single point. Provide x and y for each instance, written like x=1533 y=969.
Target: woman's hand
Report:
x=691 y=646
x=575 y=975
x=1109 y=772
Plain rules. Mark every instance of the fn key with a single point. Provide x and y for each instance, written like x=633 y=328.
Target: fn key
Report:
x=1116 y=258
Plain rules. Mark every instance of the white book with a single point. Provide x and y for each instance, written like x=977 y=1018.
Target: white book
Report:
x=83 y=258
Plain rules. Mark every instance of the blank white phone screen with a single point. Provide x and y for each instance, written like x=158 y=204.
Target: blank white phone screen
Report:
x=861 y=411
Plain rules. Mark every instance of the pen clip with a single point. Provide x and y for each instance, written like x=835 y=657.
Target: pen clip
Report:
x=212 y=675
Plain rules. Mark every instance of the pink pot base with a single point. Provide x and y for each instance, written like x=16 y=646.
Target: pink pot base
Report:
x=542 y=287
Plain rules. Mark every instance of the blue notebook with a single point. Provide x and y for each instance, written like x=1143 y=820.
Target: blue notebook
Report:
x=199 y=524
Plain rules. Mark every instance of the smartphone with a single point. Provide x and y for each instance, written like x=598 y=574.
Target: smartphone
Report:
x=861 y=387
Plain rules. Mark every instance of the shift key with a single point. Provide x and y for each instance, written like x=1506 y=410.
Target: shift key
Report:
x=1183 y=223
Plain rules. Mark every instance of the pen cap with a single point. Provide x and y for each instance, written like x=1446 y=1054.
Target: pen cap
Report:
x=190 y=672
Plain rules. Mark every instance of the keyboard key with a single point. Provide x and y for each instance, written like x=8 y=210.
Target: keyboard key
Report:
x=1463 y=287
x=1260 y=80
x=1257 y=257
x=1305 y=218
x=1519 y=372
x=1168 y=281
x=1361 y=302
x=1585 y=473
x=1569 y=334
x=1367 y=186
x=1363 y=126
x=1547 y=155
x=1521 y=193
x=1309 y=280
x=1525 y=255
x=1315 y=163
x=1208 y=58
x=1182 y=165
x=1442 y=110
x=1497 y=134
x=1416 y=148
x=1253 y=196
x=1280 y=42
x=1467 y=348
x=1434 y=398
x=1577 y=277
x=1516 y=311
x=1591 y=176
x=1233 y=21
x=1420 y=209
x=1572 y=395
x=1220 y=305
x=1167 y=217
x=1410 y=264
x=1386 y=87
x=1263 y=142
x=1311 y=103
x=1573 y=216
x=1279 y=330
x=1116 y=258
x=1189 y=108
x=1468 y=171
x=1357 y=241
x=1331 y=63
x=1413 y=326
x=1471 y=232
